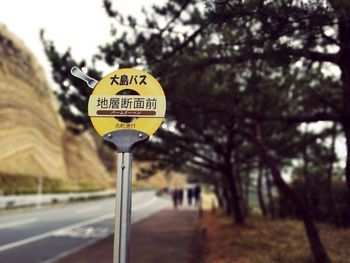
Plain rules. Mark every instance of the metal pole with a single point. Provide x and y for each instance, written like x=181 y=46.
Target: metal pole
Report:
x=122 y=208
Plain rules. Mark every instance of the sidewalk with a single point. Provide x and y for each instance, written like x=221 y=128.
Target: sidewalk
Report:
x=164 y=237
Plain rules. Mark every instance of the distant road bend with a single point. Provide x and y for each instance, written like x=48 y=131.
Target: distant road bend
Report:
x=51 y=233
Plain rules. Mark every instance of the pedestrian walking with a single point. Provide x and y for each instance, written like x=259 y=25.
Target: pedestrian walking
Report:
x=181 y=196
x=175 y=197
x=189 y=196
x=197 y=194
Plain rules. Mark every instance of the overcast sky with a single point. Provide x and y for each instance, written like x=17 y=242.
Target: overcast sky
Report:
x=80 y=24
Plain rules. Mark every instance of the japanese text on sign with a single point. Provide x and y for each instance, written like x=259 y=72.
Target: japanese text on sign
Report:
x=126 y=106
x=128 y=80
x=126 y=103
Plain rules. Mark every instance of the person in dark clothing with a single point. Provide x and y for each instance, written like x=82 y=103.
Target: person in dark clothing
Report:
x=189 y=196
x=181 y=196
x=175 y=197
x=197 y=194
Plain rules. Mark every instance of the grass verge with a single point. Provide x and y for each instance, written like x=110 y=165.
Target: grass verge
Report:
x=266 y=241
x=25 y=184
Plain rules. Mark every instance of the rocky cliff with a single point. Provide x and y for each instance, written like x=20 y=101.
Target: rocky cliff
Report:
x=33 y=138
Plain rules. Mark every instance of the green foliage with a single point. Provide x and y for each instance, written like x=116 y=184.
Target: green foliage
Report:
x=319 y=200
x=72 y=93
x=25 y=184
x=228 y=68
x=18 y=184
x=231 y=82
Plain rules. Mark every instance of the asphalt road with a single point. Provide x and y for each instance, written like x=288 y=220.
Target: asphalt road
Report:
x=48 y=234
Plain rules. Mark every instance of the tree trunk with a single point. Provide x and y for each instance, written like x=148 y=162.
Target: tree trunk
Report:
x=237 y=210
x=245 y=200
x=272 y=208
x=332 y=157
x=307 y=184
x=218 y=194
x=239 y=182
x=226 y=195
x=260 y=193
x=346 y=127
x=344 y=64
x=318 y=251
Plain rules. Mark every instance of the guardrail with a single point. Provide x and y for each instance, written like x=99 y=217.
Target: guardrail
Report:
x=16 y=201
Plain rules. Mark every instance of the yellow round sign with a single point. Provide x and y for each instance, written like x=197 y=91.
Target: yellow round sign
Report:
x=127 y=99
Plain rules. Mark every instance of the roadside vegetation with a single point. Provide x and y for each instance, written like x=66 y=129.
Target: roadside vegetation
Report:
x=266 y=241
x=24 y=184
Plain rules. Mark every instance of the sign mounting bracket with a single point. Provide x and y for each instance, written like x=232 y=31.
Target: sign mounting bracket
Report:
x=125 y=140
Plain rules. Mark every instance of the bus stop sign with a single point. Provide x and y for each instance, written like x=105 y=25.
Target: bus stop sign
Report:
x=127 y=99
x=126 y=107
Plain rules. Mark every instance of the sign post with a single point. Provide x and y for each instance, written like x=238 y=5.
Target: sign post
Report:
x=126 y=107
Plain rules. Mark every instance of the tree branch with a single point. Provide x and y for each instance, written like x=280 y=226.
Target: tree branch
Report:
x=187 y=41
x=314 y=55
x=298 y=118
x=176 y=16
x=298 y=53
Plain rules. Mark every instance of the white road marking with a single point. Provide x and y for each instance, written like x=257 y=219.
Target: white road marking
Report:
x=85 y=232
x=84 y=223
x=48 y=234
x=138 y=207
x=87 y=243
x=18 y=223
x=70 y=251
x=88 y=209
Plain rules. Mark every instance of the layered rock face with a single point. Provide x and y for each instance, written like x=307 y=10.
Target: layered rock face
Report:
x=83 y=163
x=30 y=130
x=33 y=138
